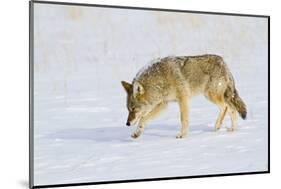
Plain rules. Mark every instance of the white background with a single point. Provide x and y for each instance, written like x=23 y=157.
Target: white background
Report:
x=14 y=93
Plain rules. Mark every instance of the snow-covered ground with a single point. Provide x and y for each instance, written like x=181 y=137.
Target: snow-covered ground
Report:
x=82 y=54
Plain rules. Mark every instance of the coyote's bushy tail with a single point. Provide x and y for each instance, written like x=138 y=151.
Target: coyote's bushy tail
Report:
x=233 y=100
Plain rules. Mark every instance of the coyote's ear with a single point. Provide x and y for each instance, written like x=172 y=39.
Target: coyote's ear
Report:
x=127 y=86
x=137 y=89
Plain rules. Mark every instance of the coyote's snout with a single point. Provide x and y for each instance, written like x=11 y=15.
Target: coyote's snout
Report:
x=178 y=79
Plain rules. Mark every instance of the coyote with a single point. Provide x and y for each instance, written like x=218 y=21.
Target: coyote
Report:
x=177 y=79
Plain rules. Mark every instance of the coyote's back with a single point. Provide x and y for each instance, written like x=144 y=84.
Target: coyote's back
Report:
x=179 y=78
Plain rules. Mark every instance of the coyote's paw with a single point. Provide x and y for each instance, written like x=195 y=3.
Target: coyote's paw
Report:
x=230 y=129
x=181 y=135
x=217 y=128
x=135 y=135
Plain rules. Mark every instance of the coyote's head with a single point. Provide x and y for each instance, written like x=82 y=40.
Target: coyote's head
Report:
x=137 y=104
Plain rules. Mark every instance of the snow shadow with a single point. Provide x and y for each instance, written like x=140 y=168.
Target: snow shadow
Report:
x=107 y=134
x=122 y=134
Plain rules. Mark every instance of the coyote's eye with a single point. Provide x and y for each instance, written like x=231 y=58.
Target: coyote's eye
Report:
x=134 y=109
x=131 y=109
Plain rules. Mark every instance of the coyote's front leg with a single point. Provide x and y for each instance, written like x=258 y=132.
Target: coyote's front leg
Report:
x=148 y=117
x=139 y=129
x=184 y=116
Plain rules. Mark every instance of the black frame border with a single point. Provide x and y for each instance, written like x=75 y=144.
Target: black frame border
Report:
x=31 y=93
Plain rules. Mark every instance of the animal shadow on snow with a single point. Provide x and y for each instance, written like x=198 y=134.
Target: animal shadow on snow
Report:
x=107 y=134
x=122 y=134
x=163 y=130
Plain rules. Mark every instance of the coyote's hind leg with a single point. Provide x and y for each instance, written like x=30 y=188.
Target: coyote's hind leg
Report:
x=219 y=101
x=220 y=118
x=234 y=117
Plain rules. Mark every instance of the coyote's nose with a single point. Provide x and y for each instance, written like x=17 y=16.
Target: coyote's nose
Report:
x=128 y=123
